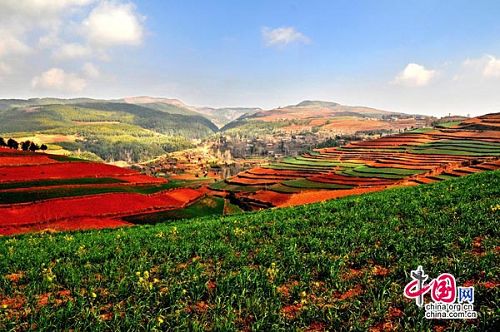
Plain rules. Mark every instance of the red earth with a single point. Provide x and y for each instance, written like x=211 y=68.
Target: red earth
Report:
x=65 y=170
x=80 y=212
x=113 y=205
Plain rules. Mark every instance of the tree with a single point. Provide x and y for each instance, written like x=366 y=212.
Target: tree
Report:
x=2 y=142
x=43 y=147
x=13 y=144
x=25 y=145
x=34 y=147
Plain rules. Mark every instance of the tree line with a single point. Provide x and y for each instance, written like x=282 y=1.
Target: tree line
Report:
x=25 y=146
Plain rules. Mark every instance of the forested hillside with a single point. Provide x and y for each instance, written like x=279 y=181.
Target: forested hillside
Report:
x=109 y=130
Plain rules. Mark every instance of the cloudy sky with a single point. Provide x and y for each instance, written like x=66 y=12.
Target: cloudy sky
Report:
x=427 y=57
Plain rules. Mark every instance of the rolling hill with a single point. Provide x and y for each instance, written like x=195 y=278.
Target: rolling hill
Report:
x=109 y=130
x=219 y=116
x=324 y=117
x=319 y=267
x=43 y=191
x=410 y=158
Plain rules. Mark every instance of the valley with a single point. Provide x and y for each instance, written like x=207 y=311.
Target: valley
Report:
x=230 y=171
x=140 y=204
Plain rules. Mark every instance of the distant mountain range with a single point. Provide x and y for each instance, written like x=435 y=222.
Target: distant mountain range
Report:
x=326 y=117
x=138 y=128
x=219 y=116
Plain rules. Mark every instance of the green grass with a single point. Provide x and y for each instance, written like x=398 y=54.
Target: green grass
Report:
x=381 y=172
x=174 y=183
x=448 y=124
x=420 y=130
x=280 y=188
x=459 y=147
x=38 y=195
x=388 y=170
x=62 y=158
x=289 y=167
x=228 y=273
x=206 y=206
x=451 y=151
x=59 y=182
x=307 y=184
x=352 y=172
x=222 y=185
x=308 y=162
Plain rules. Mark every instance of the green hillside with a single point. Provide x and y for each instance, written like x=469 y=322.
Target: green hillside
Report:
x=111 y=130
x=335 y=265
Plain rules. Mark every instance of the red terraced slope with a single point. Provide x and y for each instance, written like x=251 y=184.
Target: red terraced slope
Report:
x=20 y=170
x=403 y=159
x=68 y=170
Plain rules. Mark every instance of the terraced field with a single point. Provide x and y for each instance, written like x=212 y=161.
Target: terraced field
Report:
x=412 y=158
x=341 y=265
x=39 y=191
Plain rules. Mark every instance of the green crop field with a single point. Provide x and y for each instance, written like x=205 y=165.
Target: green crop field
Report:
x=57 y=182
x=206 y=206
x=280 y=269
x=307 y=184
x=388 y=170
x=15 y=197
x=452 y=151
x=222 y=185
x=280 y=188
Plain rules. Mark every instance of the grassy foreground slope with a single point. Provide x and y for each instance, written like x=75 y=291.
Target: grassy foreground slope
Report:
x=335 y=265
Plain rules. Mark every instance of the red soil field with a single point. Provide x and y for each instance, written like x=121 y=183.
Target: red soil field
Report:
x=323 y=195
x=91 y=207
x=26 y=160
x=66 y=171
x=187 y=195
x=351 y=126
x=486 y=135
x=83 y=212
x=276 y=199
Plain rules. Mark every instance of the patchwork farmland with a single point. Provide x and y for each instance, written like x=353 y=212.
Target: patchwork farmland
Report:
x=41 y=191
x=416 y=157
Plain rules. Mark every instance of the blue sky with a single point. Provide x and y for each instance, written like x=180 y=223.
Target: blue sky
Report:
x=428 y=57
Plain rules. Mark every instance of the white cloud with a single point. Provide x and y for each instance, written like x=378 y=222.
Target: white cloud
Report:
x=40 y=34
x=57 y=80
x=90 y=70
x=485 y=67
x=11 y=44
x=72 y=51
x=415 y=75
x=492 y=67
x=4 y=69
x=112 y=23
x=39 y=8
x=283 y=36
